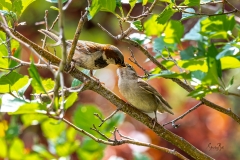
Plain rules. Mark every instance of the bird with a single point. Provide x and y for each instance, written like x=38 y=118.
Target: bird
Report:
x=139 y=93
x=90 y=55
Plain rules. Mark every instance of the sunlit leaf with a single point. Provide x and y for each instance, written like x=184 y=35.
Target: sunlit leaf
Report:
x=107 y=5
x=229 y=63
x=67 y=148
x=22 y=90
x=217 y=26
x=32 y=119
x=159 y=45
x=71 y=99
x=94 y=8
x=12 y=82
x=166 y=14
x=173 y=32
x=132 y=3
x=52 y=129
x=193 y=65
x=36 y=79
x=152 y=28
x=90 y=149
x=169 y=74
x=214 y=65
x=3 y=147
x=16 y=150
x=137 y=25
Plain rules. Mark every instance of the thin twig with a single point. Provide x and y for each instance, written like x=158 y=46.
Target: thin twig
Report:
x=54 y=22
x=133 y=59
x=107 y=118
x=127 y=140
x=24 y=63
x=81 y=22
x=183 y=115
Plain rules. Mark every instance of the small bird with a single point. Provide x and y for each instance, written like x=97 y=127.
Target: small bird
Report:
x=139 y=93
x=91 y=55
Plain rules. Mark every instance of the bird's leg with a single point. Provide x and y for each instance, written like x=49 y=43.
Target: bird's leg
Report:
x=98 y=81
x=154 y=119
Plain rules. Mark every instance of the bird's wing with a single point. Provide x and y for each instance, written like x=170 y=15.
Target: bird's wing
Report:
x=86 y=47
x=144 y=85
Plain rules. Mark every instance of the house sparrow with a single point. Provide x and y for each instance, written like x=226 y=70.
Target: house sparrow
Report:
x=91 y=55
x=139 y=93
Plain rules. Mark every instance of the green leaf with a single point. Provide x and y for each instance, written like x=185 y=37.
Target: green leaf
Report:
x=166 y=14
x=52 y=129
x=152 y=28
x=32 y=119
x=188 y=53
x=4 y=62
x=90 y=149
x=67 y=148
x=48 y=84
x=214 y=65
x=85 y=114
x=3 y=147
x=108 y=6
x=230 y=84
x=22 y=90
x=16 y=150
x=170 y=74
x=32 y=156
x=173 y=32
x=192 y=3
x=6 y=5
x=25 y=4
x=10 y=103
x=132 y=3
x=12 y=82
x=229 y=63
x=201 y=92
x=36 y=79
x=144 y=2
x=193 y=64
x=140 y=38
x=13 y=130
x=188 y=15
x=159 y=45
x=137 y=25
x=71 y=99
x=94 y=8
x=54 y=8
x=29 y=108
x=217 y=27
x=71 y=134
x=17 y=6
x=14 y=105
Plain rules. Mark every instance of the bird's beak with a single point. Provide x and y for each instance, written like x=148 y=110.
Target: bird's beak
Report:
x=122 y=65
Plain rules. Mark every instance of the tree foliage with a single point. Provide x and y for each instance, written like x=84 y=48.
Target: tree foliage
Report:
x=183 y=41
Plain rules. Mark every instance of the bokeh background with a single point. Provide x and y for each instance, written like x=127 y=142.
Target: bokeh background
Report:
x=204 y=127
